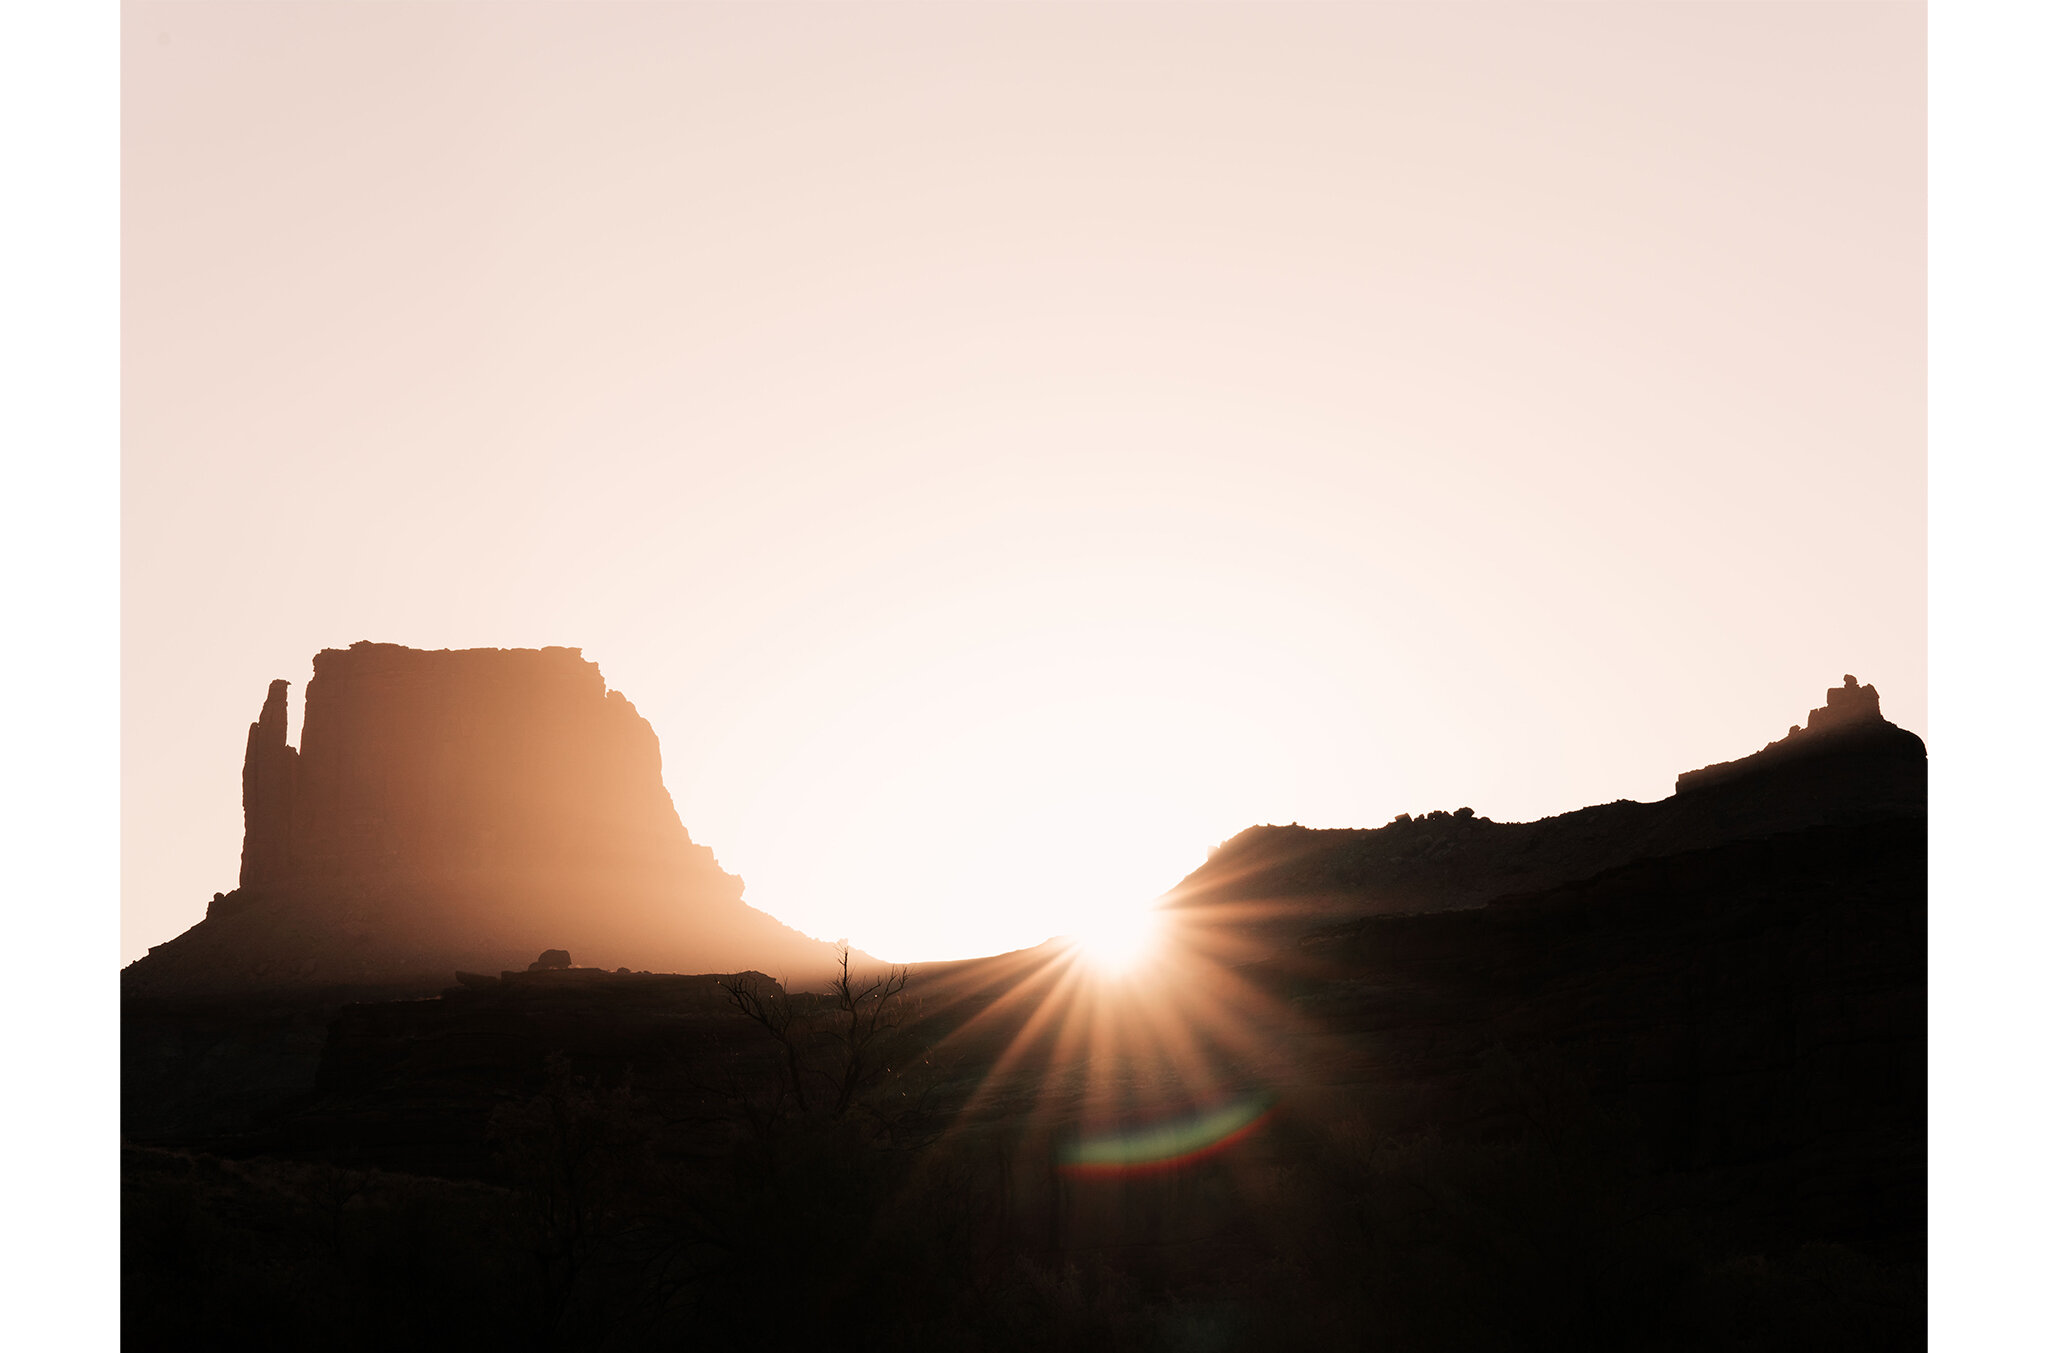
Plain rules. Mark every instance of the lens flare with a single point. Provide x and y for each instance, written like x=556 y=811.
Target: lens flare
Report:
x=1163 y=1146
x=1118 y=940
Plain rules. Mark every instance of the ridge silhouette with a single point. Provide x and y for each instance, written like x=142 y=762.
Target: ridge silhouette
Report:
x=1635 y=1076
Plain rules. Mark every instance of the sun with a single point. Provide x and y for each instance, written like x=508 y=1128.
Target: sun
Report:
x=1118 y=940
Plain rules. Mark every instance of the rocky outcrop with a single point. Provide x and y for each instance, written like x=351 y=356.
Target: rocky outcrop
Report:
x=269 y=776
x=1849 y=723
x=1847 y=705
x=461 y=809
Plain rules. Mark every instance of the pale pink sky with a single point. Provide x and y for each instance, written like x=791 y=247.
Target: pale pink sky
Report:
x=1005 y=450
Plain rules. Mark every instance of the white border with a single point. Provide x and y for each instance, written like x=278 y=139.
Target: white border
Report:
x=60 y=369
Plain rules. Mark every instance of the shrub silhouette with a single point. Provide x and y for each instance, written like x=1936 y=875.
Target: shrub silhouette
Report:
x=835 y=1048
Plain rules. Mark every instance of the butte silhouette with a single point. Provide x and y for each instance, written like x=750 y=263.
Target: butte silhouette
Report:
x=461 y=810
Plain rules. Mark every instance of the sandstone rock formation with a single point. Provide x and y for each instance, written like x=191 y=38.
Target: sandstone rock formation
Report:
x=1847 y=704
x=269 y=774
x=465 y=809
x=1848 y=723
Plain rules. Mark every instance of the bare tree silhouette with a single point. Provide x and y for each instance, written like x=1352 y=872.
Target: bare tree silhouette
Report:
x=832 y=1045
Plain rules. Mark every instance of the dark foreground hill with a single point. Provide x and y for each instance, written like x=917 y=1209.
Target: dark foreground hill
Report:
x=1674 y=1101
x=1266 y=886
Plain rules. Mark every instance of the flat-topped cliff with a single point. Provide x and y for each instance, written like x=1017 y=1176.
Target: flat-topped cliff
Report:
x=458 y=766
x=461 y=808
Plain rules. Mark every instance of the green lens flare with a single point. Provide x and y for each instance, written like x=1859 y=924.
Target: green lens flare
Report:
x=1167 y=1144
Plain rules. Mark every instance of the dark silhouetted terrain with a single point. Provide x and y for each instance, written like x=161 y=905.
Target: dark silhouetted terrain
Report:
x=1267 y=885
x=1643 y=1076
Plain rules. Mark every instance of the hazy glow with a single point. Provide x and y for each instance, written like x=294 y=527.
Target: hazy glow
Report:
x=1118 y=940
x=1005 y=450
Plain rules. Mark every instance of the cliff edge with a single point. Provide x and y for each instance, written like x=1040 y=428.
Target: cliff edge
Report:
x=461 y=809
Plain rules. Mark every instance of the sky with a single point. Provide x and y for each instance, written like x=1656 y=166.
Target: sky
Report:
x=1005 y=450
